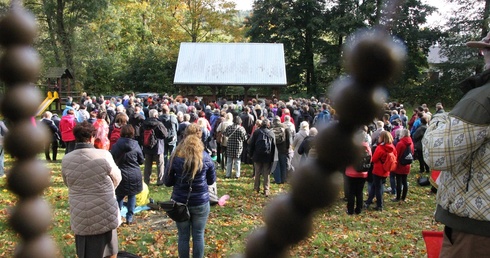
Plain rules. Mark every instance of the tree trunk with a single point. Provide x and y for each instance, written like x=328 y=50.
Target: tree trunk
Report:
x=52 y=35
x=66 y=44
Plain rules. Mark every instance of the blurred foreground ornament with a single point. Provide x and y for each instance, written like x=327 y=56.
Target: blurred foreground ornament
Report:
x=372 y=58
x=19 y=67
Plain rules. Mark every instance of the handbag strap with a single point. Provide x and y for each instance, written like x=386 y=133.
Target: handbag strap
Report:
x=190 y=183
x=234 y=131
x=189 y=194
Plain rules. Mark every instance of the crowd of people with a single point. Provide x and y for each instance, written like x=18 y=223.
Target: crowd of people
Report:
x=274 y=136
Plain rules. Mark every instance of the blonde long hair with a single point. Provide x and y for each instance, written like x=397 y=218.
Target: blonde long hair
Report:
x=191 y=149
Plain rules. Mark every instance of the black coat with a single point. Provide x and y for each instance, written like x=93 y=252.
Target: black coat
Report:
x=256 y=155
x=128 y=156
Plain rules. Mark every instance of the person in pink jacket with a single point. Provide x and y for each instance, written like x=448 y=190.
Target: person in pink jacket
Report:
x=356 y=180
x=385 y=146
x=67 y=123
x=402 y=171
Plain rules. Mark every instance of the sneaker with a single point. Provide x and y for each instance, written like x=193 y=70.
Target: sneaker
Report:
x=395 y=200
x=387 y=190
x=378 y=209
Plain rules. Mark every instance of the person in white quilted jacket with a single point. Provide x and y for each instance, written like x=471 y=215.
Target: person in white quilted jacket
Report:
x=91 y=176
x=458 y=144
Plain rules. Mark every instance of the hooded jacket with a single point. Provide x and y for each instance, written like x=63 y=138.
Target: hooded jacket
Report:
x=405 y=142
x=128 y=157
x=67 y=123
x=379 y=158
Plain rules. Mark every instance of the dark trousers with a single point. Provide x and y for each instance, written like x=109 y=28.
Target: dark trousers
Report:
x=401 y=180
x=423 y=166
x=244 y=156
x=167 y=152
x=54 y=148
x=218 y=153
x=70 y=146
x=354 y=194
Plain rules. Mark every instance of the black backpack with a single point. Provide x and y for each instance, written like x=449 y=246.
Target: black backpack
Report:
x=407 y=156
x=263 y=145
x=365 y=162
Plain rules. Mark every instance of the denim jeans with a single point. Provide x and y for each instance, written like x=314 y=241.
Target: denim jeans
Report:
x=2 y=159
x=236 y=166
x=130 y=205
x=376 y=190
x=196 y=225
x=280 y=173
x=392 y=183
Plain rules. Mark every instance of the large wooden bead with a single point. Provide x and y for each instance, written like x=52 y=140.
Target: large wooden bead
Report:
x=18 y=27
x=356 y=105
x=20 y=102
x=312 y=188
x=28 y=178
x=19 y=64
x=24 y=140
x=31 y=217
x=334 y=146
x=286 y=224
x=40 y=247
x=374 y=57
x=259 y=245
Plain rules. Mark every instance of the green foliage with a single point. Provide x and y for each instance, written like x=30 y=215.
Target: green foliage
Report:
x=299 y=26
x=149 y=71
x=468 y=22
x=314 y=34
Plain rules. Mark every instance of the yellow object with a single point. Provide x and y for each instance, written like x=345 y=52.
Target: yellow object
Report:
x=142 y=198
x=52 y=96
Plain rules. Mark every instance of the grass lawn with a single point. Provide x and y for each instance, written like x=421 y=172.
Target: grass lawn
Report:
x=395 y=232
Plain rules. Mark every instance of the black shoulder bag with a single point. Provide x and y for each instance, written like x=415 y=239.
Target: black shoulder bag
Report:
x=177 y=211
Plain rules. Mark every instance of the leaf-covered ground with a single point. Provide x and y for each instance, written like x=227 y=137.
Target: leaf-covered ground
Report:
x=395 y=232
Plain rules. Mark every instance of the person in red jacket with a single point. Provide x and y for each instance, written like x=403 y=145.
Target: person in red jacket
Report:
x=385 y=146
x=356 y=181
x=402 y=171
x=67 y=124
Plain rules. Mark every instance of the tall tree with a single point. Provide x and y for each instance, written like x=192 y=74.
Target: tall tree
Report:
x=64 y=18
x=468 y=21
x=300 y=27
x=342 y=18
x=203 y=20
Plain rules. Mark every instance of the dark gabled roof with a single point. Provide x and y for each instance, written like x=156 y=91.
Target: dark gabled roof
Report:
x=58 y=72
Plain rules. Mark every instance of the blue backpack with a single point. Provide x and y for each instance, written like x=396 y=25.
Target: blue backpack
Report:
x=323 y=117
